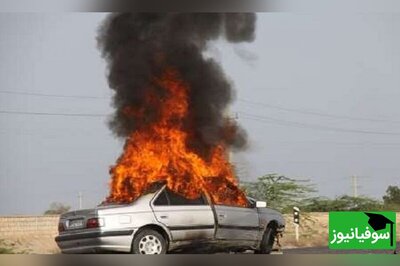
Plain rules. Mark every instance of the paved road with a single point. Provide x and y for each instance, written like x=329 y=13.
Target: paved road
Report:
x=326 y=250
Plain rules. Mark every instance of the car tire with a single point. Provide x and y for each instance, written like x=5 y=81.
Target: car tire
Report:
x=267 y=241
x=149 y=242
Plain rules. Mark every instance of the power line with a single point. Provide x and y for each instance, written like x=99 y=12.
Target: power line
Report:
x=241 y=100
x=51 y=95
x=51 y=114
x=249 y=116
x=271 y=120
x=305 y=142
x=307 y=112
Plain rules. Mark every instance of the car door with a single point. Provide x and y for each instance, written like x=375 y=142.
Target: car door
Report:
x=237 y=223
x=186 y=219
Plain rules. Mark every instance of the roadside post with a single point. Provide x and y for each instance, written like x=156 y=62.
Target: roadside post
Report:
x=296 y=221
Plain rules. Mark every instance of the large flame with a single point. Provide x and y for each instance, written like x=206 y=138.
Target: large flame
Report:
x=158 y=152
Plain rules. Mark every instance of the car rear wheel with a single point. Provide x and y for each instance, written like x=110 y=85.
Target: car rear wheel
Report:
x=267 y=241
x=149 y=241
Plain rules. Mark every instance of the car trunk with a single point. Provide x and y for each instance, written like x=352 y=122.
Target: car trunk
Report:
x=76 y=220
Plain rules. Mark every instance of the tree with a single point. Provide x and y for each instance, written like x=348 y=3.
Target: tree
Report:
x=392 y=198
x=343 y=203
x=280 y=192
x=57 y=208
x=392 y=195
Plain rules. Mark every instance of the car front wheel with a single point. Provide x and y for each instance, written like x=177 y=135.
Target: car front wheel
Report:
x=149 y=241
x=267 y=241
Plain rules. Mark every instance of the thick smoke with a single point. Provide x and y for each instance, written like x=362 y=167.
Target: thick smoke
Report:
x=138 y=47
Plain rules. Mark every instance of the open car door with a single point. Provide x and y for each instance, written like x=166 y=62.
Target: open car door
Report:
x=237 y=223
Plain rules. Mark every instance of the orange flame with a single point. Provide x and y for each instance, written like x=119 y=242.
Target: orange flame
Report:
x=157 y=152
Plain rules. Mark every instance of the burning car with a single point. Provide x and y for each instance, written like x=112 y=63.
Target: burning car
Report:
x=163 y=221
x=171 y=105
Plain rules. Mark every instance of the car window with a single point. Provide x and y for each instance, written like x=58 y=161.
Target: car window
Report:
x=251 y=203
x=176 y=199
x=168 y=197
x=162 y=199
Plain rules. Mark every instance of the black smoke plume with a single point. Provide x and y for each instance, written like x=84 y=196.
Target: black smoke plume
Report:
x=138 y=46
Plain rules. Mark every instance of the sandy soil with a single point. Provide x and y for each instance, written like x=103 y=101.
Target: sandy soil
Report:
x=31 y=244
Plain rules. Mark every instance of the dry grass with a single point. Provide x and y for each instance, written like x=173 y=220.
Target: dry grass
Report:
x=31 y=244
x=313 y=231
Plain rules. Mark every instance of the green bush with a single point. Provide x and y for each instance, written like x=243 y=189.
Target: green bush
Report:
x=343 y=203
x=4 y=249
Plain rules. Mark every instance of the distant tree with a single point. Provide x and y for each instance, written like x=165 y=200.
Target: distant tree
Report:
x=392 y=198
x=57 y=208
x=392 y=195
x=343 y=203
x=280 y=192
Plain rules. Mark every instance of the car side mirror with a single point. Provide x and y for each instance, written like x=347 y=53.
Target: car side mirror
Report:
x=261 y=204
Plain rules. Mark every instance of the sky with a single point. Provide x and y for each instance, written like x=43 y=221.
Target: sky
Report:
x=316 y=92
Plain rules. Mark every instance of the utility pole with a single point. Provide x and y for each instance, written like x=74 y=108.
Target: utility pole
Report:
x=80 y=196
x=354 y=185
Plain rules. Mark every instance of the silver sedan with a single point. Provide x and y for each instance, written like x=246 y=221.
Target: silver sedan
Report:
x=163 y=221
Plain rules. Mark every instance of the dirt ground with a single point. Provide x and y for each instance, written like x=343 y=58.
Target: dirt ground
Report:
x=31 y=244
